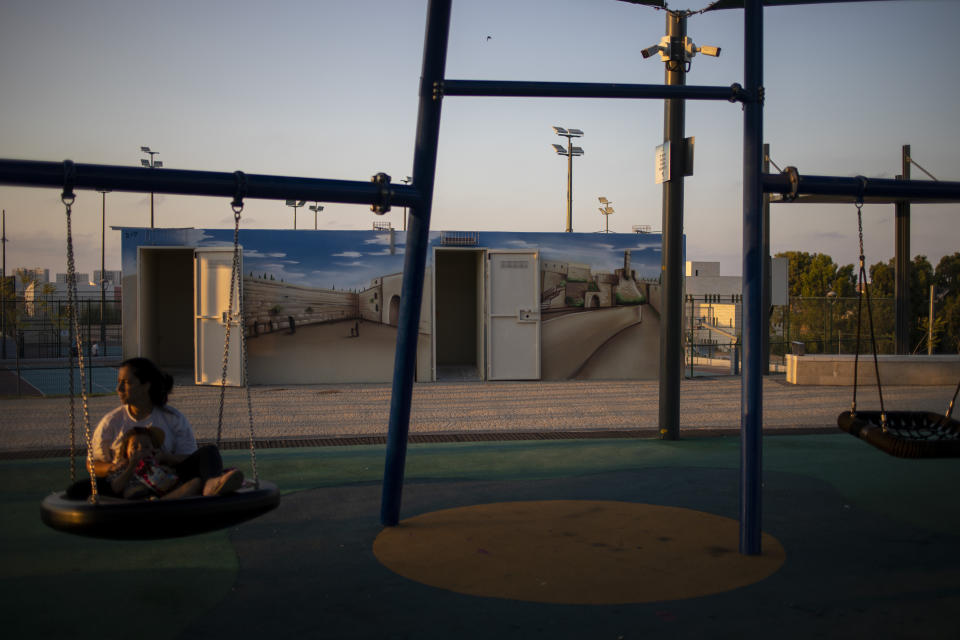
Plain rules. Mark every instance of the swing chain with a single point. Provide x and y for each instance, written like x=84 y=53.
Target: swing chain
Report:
x=865 y=292
x=235 y=276
x=76 y=341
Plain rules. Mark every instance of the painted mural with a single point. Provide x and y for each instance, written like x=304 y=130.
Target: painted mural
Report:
x=323 y=306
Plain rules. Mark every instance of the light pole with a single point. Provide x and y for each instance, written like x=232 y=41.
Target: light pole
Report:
x=150 y=164
x=316 y=208
x=606 y=210
x=832 y=298
x=103 y=272
x=570 y=152
x=296 y=204
x=405 y=180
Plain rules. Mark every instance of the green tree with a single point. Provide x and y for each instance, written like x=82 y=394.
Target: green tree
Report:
x=947 y=280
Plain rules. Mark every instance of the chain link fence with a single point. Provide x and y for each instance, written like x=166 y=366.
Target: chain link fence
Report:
x=805 y=325
x=36 y=344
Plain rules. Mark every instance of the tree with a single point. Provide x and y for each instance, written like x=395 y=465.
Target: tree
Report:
x=947 y=280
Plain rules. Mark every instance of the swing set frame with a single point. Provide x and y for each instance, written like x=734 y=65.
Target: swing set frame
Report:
x=381 y=194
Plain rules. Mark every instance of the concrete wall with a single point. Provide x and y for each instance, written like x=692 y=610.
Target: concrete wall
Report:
x=837 y=370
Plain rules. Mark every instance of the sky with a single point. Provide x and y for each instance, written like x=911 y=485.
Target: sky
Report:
x=328 y=89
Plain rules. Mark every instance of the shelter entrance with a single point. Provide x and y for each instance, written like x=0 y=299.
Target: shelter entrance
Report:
x=165 y=306
x=458 y=305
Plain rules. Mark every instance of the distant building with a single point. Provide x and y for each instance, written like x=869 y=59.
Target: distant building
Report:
x=36 y=274
x=714 y=301
x=108 y=275
x=82 y=278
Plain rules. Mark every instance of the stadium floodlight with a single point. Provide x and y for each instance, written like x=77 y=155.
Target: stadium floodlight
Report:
x=570 y=152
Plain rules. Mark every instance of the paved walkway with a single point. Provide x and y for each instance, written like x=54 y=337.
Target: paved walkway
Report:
x=314 y=412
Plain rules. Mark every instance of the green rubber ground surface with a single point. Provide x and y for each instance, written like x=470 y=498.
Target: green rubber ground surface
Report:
x=870 y=546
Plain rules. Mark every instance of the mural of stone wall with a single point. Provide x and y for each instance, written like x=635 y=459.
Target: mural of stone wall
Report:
x=269 y=306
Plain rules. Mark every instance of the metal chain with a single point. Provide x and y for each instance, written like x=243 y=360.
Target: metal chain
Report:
x=862 y=281
x=77 y=341
x=228 y=321
x=235 y=278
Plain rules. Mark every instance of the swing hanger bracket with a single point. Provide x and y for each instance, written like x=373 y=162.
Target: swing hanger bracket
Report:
x=793 y=176
x=384 y=193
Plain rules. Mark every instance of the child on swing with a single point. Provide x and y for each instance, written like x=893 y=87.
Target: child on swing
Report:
x=140 y=476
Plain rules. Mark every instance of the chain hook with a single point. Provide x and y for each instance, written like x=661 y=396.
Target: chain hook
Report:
x=240 y=191
x=69 y=178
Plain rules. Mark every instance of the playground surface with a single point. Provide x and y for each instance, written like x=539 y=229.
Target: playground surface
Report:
x=857 y=544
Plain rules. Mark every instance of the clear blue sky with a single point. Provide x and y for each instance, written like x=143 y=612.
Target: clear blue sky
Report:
x=329 y=89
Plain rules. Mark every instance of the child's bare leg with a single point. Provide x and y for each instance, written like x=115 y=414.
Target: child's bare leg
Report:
x=189 y=488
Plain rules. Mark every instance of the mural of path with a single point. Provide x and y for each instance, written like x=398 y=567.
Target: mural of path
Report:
x=324 y=353
x=632 y=354
x=569 y=341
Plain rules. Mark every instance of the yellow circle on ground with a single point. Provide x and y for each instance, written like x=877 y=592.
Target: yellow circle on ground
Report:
x=575 y=552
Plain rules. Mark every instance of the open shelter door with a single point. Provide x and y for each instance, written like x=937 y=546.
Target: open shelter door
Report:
x=212 y=270
x=513 y=315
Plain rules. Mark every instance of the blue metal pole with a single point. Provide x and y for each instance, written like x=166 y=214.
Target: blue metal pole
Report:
x=511 y=88
x=880 y=188
x=33 y=173
x=411 y=296
x=751 y=403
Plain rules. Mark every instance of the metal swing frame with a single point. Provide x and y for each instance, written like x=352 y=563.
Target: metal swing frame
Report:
x=418 y=196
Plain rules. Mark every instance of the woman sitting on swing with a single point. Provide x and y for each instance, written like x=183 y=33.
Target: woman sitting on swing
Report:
x=143 y=390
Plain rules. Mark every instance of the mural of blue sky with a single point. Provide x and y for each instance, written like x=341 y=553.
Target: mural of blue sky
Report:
x=351 y=259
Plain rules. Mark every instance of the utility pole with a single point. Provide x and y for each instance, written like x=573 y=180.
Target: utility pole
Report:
x=3 y=289
x=767 y=286
x=901 y=269
x=103 y=272
x=675 y=160
x=671 y=282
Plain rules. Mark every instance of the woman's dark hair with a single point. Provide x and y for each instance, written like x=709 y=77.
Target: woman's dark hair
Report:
x=147 y=372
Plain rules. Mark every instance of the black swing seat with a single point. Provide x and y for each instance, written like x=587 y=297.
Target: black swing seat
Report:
x=909 y=434
x=120 y=519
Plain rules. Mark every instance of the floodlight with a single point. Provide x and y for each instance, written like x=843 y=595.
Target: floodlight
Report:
x=157 y=163
x=145 y=163
x=560 y=131
x=291 y=203
x=145 y=149
x=577 y=151
x=316 y=209
x=301 y=203
x=603 y=200
x=576 y=133
x=560 y=149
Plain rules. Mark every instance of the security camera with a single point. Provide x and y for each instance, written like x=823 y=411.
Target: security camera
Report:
x=709 y=51
x=650 y=51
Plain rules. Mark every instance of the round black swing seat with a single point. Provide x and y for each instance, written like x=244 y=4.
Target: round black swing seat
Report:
x=909 y=434
x=120 y=519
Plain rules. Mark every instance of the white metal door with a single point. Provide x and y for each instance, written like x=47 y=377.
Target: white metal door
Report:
x=513 y=315
x=212 y=269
